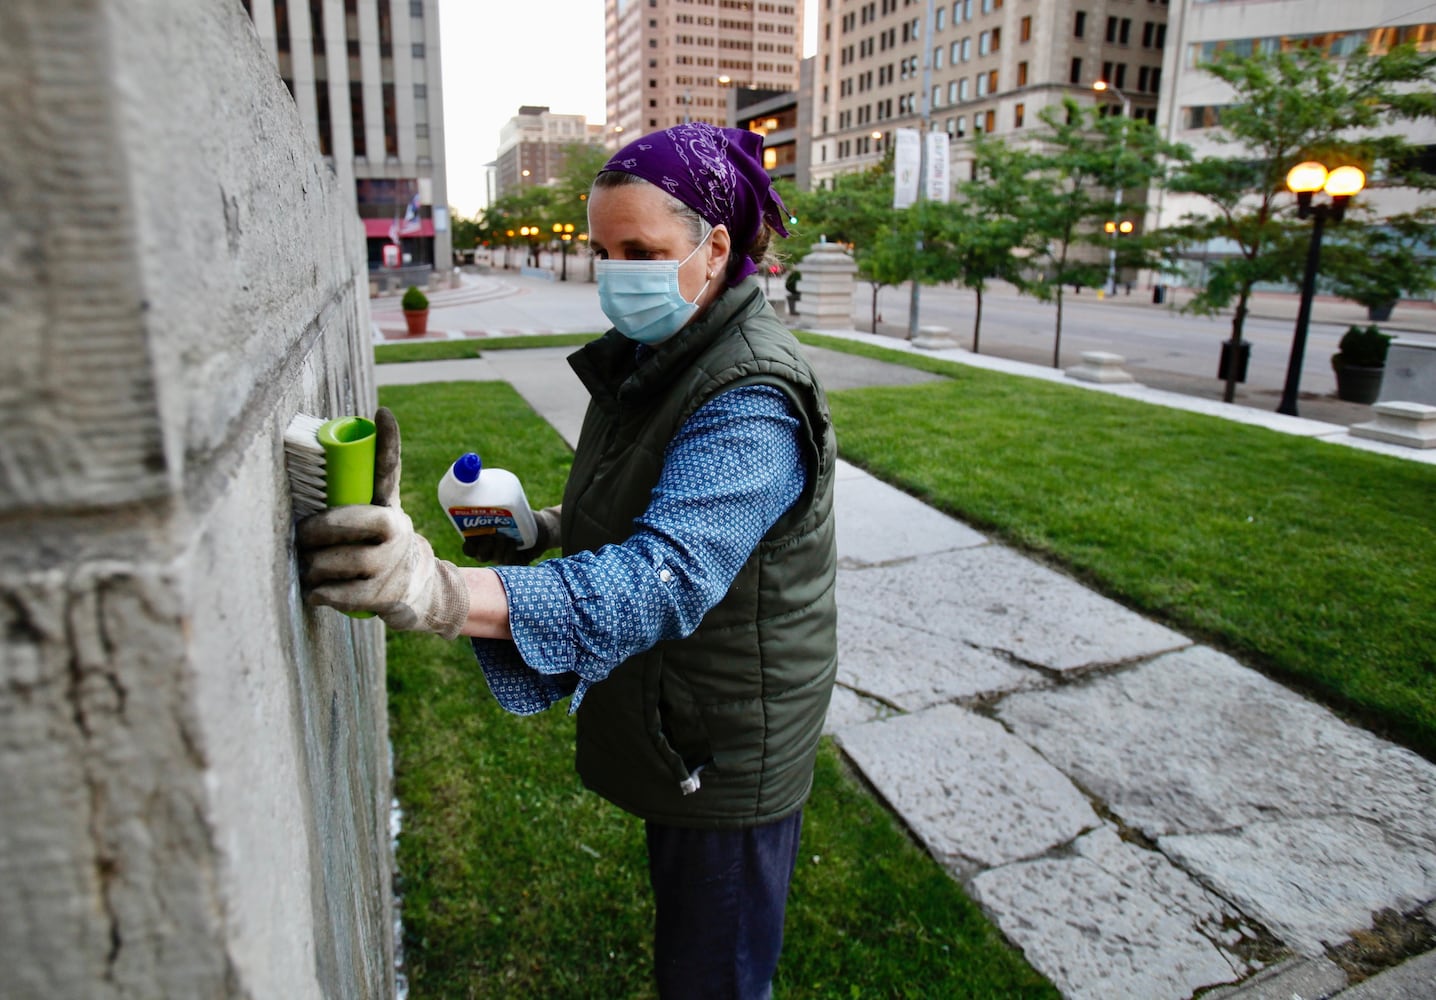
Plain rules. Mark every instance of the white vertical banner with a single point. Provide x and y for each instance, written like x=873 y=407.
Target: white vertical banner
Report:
x=907 y=164
x=939 y=186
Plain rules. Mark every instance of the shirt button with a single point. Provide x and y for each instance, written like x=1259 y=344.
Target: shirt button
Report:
x=665 y=575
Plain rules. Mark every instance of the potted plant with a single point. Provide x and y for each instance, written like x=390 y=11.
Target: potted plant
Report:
x=1359 y=364
x=416 y=311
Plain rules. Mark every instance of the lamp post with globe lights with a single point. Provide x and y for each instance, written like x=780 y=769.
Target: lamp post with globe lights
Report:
x=1304 y=180
x=1102 y=86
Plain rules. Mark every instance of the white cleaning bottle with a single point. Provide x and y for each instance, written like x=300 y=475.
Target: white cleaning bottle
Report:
x=482 y=501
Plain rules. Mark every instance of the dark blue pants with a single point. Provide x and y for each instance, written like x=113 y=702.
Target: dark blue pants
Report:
x=720 y=898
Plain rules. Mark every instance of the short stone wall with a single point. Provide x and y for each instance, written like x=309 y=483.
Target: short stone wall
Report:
x=193 y=767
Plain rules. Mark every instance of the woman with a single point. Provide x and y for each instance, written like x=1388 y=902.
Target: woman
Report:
x=691 y=620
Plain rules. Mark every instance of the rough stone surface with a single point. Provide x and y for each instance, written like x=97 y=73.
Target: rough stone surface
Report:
x=1413 y=979
x=989 y=598
x=909 y=668
x=193 y=767
x=1113 y=920
x=974 y=796
x=1194 y=742
x=1307 y=978
x=848 y=708
x=1312 y=882
x=882 y=524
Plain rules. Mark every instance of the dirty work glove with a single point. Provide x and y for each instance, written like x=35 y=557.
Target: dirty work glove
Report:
x=368 y=557
x=497 y=548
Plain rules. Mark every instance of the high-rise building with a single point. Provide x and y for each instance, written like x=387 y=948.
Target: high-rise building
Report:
x=670 y=61
x=365 y=75
x=1192 y=99
x=967 y=67
x=534 y=147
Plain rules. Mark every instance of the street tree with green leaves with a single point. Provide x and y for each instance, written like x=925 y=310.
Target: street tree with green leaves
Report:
x=1287 y=107
x=1064 y=188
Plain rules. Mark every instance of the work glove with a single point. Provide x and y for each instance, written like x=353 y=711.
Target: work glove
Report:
x=368 y=557
x=499 y=548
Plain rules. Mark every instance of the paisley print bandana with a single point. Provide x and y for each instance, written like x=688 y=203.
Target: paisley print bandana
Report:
x=717 y=172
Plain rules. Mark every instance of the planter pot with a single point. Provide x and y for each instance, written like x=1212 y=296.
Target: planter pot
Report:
x=1356 y=384
x=417 y=321
x=1381 y=313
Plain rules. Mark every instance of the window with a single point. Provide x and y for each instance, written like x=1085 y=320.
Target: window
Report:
x=1147 y=34
x=1142 y=79
x=1161 y=36
x=962 y=89
x=992 y=81
x=991 y=121
x=1124 y=33
x=1024 y=32
x=1022 y=74
x=1076 y=75
x=961 y=126
x=417 y=50
x=1017 y=115
x=996 y=39
x=941 y=12
x=937 y=58
x=416 y=8
x=952 y=53
x=952 y=92
x=966 y=49
x=1111 y=30
x=1121 y=80
x=984 y=42
x=1079 y=25
x=982 y=85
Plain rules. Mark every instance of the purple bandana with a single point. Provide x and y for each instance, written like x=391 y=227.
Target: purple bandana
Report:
x=717 y=172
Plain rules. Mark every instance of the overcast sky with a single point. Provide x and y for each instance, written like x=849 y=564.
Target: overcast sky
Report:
x=499 y=54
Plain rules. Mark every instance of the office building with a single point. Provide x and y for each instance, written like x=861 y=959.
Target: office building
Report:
x=365 y=75
x=534 y=147
x=670 y=61
x=1191 y=99
x=967 y=67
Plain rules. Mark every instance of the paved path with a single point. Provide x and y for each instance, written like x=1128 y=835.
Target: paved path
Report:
x=1144 y=816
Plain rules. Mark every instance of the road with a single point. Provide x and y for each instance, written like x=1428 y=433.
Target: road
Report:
x=1155 y=340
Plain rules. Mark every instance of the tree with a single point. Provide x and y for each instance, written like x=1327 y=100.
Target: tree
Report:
x=1064 y=191
x=1375 y=265
x=1288 y=107
x=980 y=237
x=856 y=210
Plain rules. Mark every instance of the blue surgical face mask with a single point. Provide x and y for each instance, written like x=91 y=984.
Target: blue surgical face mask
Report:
x=641 y=297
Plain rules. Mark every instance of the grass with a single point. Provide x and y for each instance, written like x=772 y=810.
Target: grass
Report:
x=516 y=882
x=448 y=350
x=1314 y=562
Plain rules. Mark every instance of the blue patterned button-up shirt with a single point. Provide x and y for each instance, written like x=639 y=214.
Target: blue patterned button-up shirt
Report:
x=732 y=470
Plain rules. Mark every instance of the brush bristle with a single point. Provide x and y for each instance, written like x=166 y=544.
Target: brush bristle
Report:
x=304 y=459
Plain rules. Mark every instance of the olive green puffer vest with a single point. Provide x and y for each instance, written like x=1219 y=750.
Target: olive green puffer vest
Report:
x=718 y=729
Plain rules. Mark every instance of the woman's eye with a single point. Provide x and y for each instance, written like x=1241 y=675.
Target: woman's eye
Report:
x=603 y=255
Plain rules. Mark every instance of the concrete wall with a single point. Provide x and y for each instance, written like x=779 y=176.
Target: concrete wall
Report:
x=193 y=767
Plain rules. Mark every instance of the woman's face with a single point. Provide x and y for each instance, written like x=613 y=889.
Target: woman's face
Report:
x=636 y=222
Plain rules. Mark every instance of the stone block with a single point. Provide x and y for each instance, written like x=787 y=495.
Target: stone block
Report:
x=1410 y=370
x=975 y=796
x=1108 y=919
x=1308 y=978
x=1410 y=424
x=934 y=338
x=1100 y=366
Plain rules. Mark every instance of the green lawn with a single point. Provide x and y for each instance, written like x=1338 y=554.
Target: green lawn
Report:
x=1314 y=562
x=516 y=882
x=446 y=350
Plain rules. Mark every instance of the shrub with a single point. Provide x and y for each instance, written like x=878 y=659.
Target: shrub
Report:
x=1364 y=347
x=415 y=300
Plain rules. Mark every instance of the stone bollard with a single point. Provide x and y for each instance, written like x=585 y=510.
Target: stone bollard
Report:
x=1409 y=424
x=934 y=338
x=825 y=287
x=1099 y=366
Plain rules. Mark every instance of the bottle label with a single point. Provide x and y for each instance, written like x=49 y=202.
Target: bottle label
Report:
x=475 y=521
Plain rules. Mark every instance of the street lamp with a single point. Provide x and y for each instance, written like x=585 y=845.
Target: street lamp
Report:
x=1304 y=180
x=531 y=233
x=1102 y=86
x=563 y=232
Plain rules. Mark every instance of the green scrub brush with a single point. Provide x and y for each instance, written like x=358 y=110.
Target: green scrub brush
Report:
x=331 y=464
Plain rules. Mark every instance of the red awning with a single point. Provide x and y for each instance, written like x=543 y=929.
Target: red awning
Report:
x=378 y=229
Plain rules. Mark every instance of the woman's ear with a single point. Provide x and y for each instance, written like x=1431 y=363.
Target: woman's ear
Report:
x=720 y=245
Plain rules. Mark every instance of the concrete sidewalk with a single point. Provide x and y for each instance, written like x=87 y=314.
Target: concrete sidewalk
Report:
x=1143 y=816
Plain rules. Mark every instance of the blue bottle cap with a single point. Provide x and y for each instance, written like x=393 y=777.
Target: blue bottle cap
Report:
x=466 y=468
